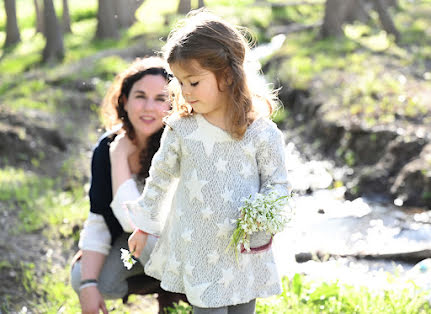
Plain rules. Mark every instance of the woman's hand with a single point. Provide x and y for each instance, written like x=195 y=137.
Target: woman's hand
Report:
x=137 y=241
x=92 y=301
x=121 y=148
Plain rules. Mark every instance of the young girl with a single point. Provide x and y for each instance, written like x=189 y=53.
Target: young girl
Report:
x=222 y=148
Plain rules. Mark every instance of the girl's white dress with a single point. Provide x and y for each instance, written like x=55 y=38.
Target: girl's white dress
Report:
x=215 y=171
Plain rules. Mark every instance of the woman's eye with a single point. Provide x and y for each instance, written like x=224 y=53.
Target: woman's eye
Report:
x=194 y=84
x=162 y=99
x=140 y=96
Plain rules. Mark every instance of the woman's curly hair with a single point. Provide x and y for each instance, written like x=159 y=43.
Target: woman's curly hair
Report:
x=113 y=112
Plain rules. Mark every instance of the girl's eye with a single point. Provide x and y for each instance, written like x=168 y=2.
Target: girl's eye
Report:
x=194 y=84
x=140 y=96
x=161 y=99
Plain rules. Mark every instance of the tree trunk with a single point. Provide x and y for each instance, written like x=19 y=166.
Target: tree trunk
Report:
x=12 y=31
x=357 y=11
x=335 y=11
x=66 y=18
x=106 y=21
x=125 y=11
x=386 y=20
x=184 y=7
x=39 y=16
x=54 y=48
x=201 y=4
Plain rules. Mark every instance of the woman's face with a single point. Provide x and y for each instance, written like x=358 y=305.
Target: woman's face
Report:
x=147 y=104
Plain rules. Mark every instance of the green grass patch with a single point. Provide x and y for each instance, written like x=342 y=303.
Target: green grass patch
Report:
x=40 y=201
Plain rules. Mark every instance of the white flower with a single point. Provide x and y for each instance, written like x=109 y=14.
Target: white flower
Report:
x=127 y=258
x=266 y=212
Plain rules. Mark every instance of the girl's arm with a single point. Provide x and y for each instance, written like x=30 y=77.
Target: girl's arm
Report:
x=165 y=166
x=271 y=161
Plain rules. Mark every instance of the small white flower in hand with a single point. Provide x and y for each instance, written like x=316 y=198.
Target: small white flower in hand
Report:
x=127 y=259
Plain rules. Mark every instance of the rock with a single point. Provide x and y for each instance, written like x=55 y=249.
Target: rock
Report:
x=413 y=183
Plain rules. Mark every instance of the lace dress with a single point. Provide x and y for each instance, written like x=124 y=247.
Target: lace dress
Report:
x=215 y=171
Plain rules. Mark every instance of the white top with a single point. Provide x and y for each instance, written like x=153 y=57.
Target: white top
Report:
x=215 y=171
x=95 y=235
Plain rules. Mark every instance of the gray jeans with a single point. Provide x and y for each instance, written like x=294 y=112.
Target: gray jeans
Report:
x=245 y=308
x=112 y=281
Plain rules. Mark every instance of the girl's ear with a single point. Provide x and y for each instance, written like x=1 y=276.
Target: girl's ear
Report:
x=228 y=77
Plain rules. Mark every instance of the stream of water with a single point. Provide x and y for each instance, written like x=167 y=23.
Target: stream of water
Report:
x=326 y=222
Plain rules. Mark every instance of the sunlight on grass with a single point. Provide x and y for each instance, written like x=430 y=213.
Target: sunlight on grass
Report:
x=40 y=202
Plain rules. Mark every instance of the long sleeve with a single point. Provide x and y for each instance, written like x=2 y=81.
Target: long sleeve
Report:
x=271 y=161
x=101 y=187
x=145 y=212
x=95 y=236
x=127 y=191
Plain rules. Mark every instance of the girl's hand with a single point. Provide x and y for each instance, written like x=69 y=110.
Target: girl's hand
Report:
x=137 y=241
x=121 y=147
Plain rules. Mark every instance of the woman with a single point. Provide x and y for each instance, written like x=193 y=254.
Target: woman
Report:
x=137 y=101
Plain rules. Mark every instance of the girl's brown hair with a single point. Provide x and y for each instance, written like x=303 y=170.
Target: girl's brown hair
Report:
x=222 y=49
x=113 y=112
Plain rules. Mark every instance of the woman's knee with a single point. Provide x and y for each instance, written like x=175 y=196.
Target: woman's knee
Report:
x=75 y=276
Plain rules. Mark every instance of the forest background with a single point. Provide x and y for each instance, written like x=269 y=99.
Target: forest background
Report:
x=355 y=78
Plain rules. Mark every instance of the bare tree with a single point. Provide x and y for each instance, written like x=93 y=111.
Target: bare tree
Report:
x=184 y=7
x=66 y=17
x=106 y=21
x=125 y=10
x=338 y=12
x=201 y=4
x=54 y=48
x=12 y=31
x=386 y=20
x=333 y=20
x=39 y=16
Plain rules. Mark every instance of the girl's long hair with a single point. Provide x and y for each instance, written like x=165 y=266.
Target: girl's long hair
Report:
x=222 y=49
x=113 y=112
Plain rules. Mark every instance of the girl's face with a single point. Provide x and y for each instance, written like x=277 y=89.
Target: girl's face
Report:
x=147 y=104
x=200 y=90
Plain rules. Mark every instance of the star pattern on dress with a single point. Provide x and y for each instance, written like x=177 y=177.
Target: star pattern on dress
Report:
x=273 y=274
x=227 y=196
x=249 y=149
x=250 y=281
x=268 y=169
x=178 y=212
x=171 y=159
x=224 y=228
x=227 y=277
x=151 y=194
x=189 y=269
x=245 y=260
x=235 y=298
x=221 y=165
x=194 y=293
x=207 y=141
x=157 y=262
x=246 y=170
x=187 y=235
x=195 y=186
x=213 y=257
x=206 y=213
x=173 y=265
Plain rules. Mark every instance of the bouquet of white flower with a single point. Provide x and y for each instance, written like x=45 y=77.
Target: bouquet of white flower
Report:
x=268 y=213
x=127 y=258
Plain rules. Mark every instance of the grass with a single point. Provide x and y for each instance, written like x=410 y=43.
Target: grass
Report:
x=363 y=72
x=365 y=76
x=40 y=201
